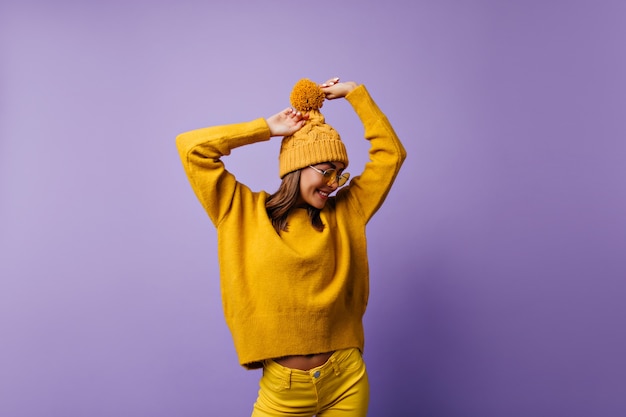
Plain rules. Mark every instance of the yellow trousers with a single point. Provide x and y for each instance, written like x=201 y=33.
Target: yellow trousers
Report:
x=339 y=388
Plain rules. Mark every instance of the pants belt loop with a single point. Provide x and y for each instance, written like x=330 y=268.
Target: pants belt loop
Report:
x=288 y=379
x=333 y=362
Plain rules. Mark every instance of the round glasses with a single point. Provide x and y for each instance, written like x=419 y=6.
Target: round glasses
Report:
x=330 y=175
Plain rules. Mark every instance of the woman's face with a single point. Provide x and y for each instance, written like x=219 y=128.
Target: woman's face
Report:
x=314 y=188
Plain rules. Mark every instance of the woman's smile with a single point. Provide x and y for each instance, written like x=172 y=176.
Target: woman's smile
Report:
x=314 y=187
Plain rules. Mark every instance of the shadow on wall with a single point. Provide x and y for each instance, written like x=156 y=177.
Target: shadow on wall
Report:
x=422 y=357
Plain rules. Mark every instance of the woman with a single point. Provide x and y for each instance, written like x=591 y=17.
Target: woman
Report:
x=293 y=265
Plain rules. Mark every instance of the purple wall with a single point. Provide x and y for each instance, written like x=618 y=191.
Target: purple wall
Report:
x=498 y=262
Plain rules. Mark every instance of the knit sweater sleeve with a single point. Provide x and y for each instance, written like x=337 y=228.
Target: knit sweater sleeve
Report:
x=386 y=155
x=201 y=151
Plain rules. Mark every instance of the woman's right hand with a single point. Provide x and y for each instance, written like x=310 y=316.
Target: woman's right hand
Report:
x=286 y=122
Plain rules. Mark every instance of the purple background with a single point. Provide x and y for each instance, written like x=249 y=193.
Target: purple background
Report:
x=498 y=262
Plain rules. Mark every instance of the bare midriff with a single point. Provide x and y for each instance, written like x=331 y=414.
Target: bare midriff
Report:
x=304 y=362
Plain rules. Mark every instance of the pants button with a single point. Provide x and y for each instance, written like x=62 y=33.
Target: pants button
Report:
x=316 y=374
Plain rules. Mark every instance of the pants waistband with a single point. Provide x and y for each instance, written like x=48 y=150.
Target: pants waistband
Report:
x=334 y=365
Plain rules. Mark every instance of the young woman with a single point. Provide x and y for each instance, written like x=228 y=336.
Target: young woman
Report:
x=293 y=264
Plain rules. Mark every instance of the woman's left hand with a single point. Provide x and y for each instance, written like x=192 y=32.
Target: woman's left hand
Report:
x=334 y=89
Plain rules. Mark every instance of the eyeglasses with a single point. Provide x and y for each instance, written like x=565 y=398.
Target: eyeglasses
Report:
x=330 y=176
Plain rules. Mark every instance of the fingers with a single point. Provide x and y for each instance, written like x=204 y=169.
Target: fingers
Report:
x=286 y=122
x=330 y=92
x=330 y=82
x=295 y=115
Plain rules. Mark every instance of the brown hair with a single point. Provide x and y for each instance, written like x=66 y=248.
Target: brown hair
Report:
x=280 y=204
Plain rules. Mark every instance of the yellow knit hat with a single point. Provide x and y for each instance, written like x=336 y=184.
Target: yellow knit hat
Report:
x=316 y=141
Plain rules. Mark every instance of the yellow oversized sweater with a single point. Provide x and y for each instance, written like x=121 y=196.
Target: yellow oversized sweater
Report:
x=303 y=291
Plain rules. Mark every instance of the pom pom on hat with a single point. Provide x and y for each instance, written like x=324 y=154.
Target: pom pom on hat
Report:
x=306 y=95
x=316 y=141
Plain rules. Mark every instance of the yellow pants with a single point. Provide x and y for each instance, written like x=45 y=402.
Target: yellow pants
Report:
x=338 y=388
